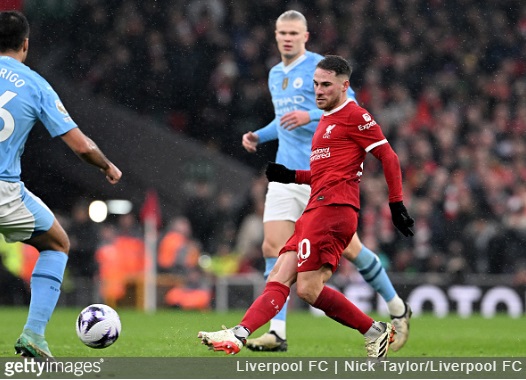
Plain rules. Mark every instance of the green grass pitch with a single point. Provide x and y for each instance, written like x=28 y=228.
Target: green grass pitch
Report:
x=173 y=333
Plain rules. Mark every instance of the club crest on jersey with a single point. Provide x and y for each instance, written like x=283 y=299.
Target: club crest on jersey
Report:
x=327 y=134
x=285 y=83
x=298 y=82
x=60 y=107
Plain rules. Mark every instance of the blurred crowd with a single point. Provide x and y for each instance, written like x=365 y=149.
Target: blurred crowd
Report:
x=445 y=79
x=108 y=260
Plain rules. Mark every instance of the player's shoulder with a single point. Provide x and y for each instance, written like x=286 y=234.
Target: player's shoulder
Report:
x=357 y=113
x=354 y=108
x=358 y=116
x=313 y=57
x=38 y=79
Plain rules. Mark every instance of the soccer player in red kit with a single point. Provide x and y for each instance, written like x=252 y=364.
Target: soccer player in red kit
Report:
x=345 y=134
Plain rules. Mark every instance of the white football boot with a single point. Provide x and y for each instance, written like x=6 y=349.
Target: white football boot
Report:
x=378 y=347
x=401 y=325
x=223 y=340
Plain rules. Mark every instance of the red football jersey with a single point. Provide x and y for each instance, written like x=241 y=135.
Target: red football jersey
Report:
x=340 y=143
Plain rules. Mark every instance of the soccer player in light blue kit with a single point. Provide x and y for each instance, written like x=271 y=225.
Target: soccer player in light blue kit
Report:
x=26 y=97
x=296 y=119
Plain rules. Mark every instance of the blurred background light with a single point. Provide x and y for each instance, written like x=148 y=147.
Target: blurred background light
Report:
x=98 y=211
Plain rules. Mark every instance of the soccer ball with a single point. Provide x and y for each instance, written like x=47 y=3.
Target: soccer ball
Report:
x=98 y=326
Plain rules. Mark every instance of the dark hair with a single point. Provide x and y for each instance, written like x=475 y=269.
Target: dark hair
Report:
x=14 y=29
x=337 y=64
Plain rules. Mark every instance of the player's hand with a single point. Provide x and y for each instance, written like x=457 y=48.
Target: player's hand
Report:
x=113 y=174
x=294 y=119
x=250 y=141
x=279 y=173
x=401 y=218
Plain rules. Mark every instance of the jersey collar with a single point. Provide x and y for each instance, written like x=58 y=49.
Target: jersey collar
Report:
x=288 y=68
x=338 y=108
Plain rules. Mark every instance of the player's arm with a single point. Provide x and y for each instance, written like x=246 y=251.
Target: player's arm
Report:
x=393 y=177
x=280 y=173
x=89 y=152
x=295 y=119
x=251 y=140
x=392 y=171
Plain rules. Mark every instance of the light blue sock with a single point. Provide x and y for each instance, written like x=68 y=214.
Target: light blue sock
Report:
x=45 y=289
x=371 y=269
x=278 y=323
x=269 y=264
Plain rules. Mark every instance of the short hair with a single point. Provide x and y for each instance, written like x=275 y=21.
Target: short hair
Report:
x=292 y=15
x=337 y=64
x=14 y=29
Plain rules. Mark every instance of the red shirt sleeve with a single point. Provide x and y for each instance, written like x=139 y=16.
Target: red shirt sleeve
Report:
x=303 y=177
x=392 y=171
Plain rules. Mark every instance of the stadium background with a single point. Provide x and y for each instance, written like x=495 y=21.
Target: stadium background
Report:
x=167 y=88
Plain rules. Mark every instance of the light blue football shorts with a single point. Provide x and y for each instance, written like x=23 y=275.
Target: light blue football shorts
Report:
x=22 y=214
x=285 y=201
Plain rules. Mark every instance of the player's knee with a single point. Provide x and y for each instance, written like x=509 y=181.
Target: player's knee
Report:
x=350 y=253
x=60 y=239
x=270 y=250
x=272 y=274
x=65 y=245
x=60 y=242
x=306 y=292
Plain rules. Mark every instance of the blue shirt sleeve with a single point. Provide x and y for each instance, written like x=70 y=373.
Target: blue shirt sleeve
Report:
x=268 y=132
x=315 y=115
x=53 y=114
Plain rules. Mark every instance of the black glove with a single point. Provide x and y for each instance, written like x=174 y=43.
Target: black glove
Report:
x=401 y=218
x=279 y=173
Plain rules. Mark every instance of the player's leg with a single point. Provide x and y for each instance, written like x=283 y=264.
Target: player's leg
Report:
x=284 y=204
x=370 y=267
x=30 y=221
x=318 y=257
x=276 y=234
x=266 y=306
x=311 y=288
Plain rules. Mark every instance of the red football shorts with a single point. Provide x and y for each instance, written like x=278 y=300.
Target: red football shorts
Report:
x=321 y=235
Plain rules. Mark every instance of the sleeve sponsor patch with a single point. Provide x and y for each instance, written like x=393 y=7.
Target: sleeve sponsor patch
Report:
x=60 y=107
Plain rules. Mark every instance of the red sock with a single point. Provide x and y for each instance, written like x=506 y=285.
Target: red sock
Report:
x=338 y=307
x=266 y=306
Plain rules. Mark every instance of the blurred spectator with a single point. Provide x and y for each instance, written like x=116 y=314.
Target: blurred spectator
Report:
x=120 y=258
x=225 y=262
x=15 y=290
x=178 y=253
x=11 y=5
x=224 y=221
x=199 y=210
x=112 y=278
x=129 y=242
x=83 y=236
x=250 y=231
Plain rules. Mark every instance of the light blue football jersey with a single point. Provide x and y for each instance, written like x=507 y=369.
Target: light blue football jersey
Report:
x=25 y=97
x=292 y=89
